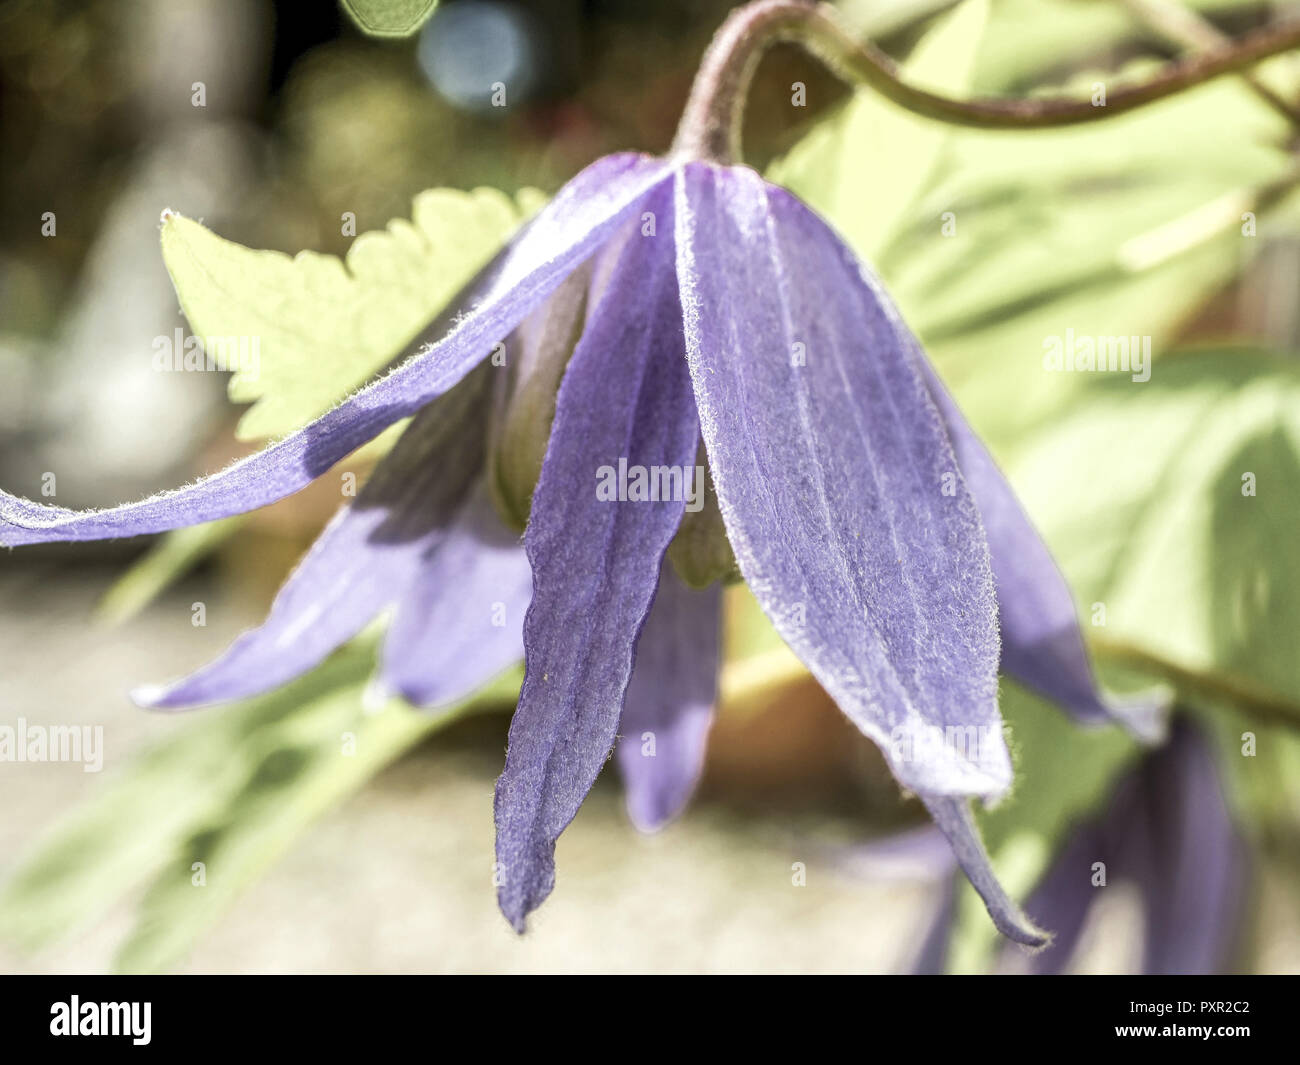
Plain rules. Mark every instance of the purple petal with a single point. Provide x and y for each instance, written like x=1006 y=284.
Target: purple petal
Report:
x=1169 y=832
x=625 y=395
x=1186 y=855
x=931 y=956
x=1064 y=897
x=669 y=705
x=955 y=820
x=830 y=463
x=841 y=495
x=578 y=220
x=1041 y=641
x=461 y=621
x=368 y=556
x=911 y=854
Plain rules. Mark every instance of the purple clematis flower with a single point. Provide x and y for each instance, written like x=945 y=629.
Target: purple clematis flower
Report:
x=710 y=309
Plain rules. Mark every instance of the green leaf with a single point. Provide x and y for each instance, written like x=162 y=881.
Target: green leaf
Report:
x=1030 y=37
x=389 y=18
x=1124 y=228
x=1139 y=491
x=864 y=167
x=1260 y=765
x=322 y=326
x=231 y=789
x=1066 y=203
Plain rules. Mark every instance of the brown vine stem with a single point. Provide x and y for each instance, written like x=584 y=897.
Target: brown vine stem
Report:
x=1191 y=30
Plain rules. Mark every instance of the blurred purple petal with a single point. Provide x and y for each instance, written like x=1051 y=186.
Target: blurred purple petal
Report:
x=1184 y=851
x=1064 y=897
x=1042 y=644
x=931 y=955
x=921 y=853
x=461 y=621
x=626 y=395
x=1167 y=831
x=579 y=219
x=669 y=705
x=368 y=556
x=830 y=460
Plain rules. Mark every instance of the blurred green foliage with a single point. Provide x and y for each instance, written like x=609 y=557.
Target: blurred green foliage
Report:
x=231 y=792
x=326 y=326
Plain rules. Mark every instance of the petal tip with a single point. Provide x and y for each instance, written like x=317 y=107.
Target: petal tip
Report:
x=175 y=696
x=1145 y=715
x=955 y=819
x=646 y=819
x=1021 y=930
x=514 y=910
x=149 y=696
x=377 y=695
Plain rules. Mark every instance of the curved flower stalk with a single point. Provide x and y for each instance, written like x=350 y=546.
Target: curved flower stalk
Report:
x=676 y=302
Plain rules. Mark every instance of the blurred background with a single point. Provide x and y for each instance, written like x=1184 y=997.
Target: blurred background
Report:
x=304 y=118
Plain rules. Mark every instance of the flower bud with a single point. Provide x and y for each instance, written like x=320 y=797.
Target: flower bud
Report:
x=536 y=356
x=701 y=552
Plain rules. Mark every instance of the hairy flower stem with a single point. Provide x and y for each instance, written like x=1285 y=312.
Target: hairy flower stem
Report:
x=710 y=126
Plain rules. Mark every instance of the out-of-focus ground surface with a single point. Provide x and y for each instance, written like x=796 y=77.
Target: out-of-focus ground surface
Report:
x=397 y=879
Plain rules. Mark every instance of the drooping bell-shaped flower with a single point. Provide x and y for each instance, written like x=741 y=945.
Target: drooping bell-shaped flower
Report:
x=684 y=307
